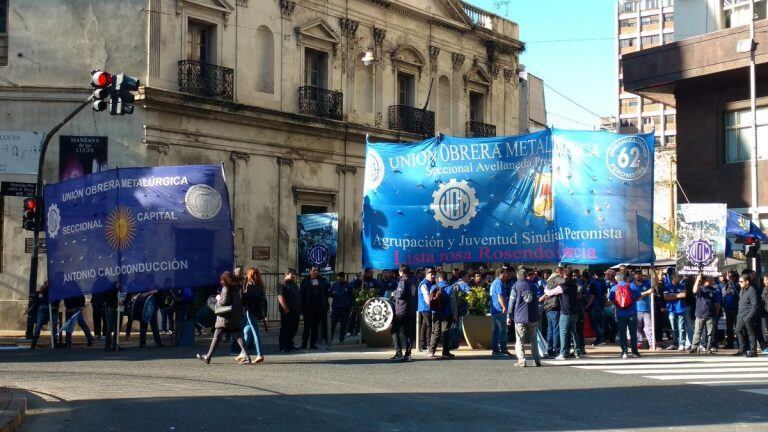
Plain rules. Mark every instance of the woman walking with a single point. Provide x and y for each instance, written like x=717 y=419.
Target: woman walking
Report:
x=255 y=304
x=231 y=295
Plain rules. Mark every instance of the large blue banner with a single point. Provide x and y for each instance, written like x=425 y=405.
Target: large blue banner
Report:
x=551 y=196
x=148 y=228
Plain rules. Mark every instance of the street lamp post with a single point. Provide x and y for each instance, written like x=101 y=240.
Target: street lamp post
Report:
x=752 y=104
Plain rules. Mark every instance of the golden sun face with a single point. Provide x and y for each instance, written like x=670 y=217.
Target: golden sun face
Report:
x=121 y=228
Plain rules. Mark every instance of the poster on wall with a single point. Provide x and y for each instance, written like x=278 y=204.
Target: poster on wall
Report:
x=318 y=236
x=19 y=153
x=81 y=155
x=701 y=238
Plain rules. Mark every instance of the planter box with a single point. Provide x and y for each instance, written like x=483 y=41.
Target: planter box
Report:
x=477 y=331
x=382 y=339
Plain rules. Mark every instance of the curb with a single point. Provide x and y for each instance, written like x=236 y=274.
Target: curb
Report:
x=13 y=408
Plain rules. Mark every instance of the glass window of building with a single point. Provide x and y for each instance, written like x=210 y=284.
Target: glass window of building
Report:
x=736 y=12
x=738 y=134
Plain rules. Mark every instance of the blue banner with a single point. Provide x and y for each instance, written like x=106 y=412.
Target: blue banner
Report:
x=148 y=228
x=550 y=196
x=318 y=236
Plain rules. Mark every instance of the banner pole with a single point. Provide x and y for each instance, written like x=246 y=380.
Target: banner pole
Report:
x=652 y=342
x=50 y=323
x=418 y=327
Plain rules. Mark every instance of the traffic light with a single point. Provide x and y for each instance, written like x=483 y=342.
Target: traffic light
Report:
x=122 y=97
x=751 y=247
x=29 y=221
x=102 y=83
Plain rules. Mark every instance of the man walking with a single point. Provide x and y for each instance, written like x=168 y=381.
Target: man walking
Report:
x=524 y=305
x=404 y=322
x=499 y=301
x=747 y=317
x=75 y=306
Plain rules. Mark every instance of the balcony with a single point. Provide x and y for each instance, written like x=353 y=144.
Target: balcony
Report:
x=480 y=130
x=406 y=118
x=319 y=102
x=206 y=80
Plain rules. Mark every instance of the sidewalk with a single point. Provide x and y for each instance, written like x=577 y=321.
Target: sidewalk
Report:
x=13 y=408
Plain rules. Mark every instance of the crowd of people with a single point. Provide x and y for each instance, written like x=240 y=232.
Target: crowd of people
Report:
x=550 y=309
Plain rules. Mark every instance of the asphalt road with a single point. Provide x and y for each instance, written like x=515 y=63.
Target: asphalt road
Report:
x=354 y=389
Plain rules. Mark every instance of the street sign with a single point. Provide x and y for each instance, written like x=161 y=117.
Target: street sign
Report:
x=17 y=189
x=40 y=245
x=260 y=253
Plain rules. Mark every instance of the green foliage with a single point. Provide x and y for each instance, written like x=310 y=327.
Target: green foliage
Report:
x=478 y=301
x=363 y=296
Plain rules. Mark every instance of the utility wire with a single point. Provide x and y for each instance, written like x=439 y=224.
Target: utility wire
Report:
x=570 y=119
x=573 y=101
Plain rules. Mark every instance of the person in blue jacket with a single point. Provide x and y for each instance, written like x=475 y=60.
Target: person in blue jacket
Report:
x=443 y=318
x=674 y=292
x=626 y=317
x=425 y=329
x=730 y=306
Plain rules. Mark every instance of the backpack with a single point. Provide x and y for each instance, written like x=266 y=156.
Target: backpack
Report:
x=436 y=299
x=623 y=297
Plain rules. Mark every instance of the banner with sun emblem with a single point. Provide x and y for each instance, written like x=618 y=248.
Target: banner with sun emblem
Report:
x=148 y=228
x=549 y=196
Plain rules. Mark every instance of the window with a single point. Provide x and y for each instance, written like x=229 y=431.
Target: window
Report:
x=406 y=89
x=628 y=23
x=736 y=12
x=630 y=122
x=623 y=43
x=264 y=69
x=648 y=102
x=200 y=41
x=315 y=68
x=671 y=140
x=629 y=102
x=649 y=20
x=630 y=6
x=669 y=37
x=649 y=40
x=669 y=118
x=669 y=17
x=313 y=209
x=4 y=32
x=476 y=107
x=651 y=4
x=738 y=135
x=657 y=141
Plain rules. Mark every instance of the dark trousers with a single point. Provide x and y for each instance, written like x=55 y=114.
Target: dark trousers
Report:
x=744 y=325
x=166 y=315
x=598 y=321
x=404 y=327
x=99 y=320
x=110 y=333
x=42 y=319
x=289 y=325
x=324 y=325
x=153 y=325
x=580 y=328
x=730 y=324
x=441 y=325
x=425 y=330
x=339 y=317
x=311 y=327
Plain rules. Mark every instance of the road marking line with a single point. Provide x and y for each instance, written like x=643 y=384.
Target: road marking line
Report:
x=706 y=376
x=681 y=365
x=728 y=382
x=757 y=391
x=688 y=371
x=618 y=360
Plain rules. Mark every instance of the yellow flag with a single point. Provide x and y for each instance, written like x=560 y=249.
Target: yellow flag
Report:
x=664 y=239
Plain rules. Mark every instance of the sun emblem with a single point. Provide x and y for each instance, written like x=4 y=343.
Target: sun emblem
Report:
x=121 y=228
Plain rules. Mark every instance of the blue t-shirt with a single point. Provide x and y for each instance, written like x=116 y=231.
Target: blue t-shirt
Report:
x=707 y=299
x=423 y=305
x=342 y=296
x=498 y=288
x=644 y=304
x=631 y=310
x=675 y=306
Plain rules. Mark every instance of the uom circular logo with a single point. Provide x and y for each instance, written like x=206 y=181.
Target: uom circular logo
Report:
x=374 y=170
x=700 y=253
x=317 y=255
x=628 y=158
x=202 y=201
x=454 y=203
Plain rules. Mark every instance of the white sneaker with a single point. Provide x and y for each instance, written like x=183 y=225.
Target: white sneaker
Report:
x=682 y=348
x=240 y=356
x=624 y=356
x=560 y=357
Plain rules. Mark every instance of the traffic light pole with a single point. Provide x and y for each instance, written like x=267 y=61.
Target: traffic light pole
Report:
x=38 y=214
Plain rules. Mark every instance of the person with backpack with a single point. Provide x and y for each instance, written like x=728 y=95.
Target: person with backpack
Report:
x=524 y=306
x=624 y=297
x=425 y=329
x=404 y=321
x=499 y=300
x=444 y=313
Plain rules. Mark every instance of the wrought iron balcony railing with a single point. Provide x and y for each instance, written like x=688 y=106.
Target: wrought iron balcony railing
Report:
x=206 y=79
x=480 y=130
x=409 y=119
x=319 y=102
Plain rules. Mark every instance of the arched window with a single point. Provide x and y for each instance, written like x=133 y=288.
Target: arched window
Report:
x=444 y=104
x=265 y=60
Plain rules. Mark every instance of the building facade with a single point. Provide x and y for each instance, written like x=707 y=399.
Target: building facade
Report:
x=533 y=107
x=276 y=90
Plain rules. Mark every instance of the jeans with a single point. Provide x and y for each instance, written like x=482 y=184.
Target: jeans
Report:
x=709 y=323
x=677 y=322
x=425 y=330
x=689 y=325
x=553 y=331
x=83 y=325
x=598 y=321
x=42 y=319
x=529 y=331
x=568 y=328
x=441 y=325
x=167 y=319
x=627 y=323
x=251 y=331
x=403 y=327
x=153 y=325
x=340 y=317
x=644 y=327
x=499 y=333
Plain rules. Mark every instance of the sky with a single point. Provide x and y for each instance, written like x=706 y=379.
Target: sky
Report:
x=570 y=45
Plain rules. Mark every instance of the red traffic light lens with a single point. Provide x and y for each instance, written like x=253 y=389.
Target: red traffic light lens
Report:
x=101 y=79
x=749 y=241
x=30 y=204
